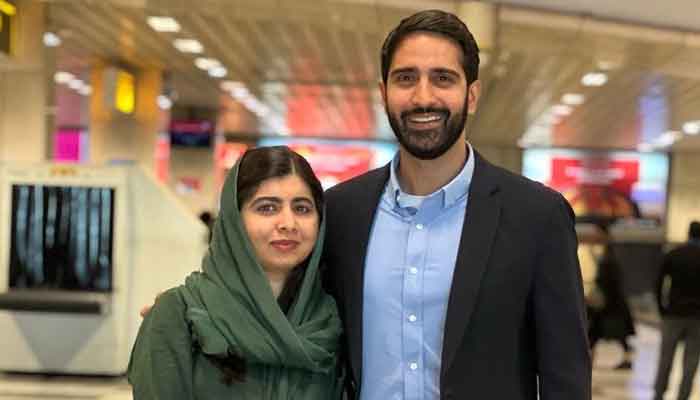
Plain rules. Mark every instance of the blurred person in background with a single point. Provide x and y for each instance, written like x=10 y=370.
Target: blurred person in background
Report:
x=255 y=323
x=610 y=316
x=678 y=295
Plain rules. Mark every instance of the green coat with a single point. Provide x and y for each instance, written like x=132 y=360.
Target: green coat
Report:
x=170 y=367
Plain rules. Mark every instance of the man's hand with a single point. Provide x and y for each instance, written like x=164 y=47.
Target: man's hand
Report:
x=147 y=308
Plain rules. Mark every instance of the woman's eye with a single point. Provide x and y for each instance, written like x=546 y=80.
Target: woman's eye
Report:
x=266 y=208
x=302 y=209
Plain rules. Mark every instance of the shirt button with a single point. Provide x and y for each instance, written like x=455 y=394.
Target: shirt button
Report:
x=419 y=227
x=412 y=318
x=413 y=366
x=413 y=270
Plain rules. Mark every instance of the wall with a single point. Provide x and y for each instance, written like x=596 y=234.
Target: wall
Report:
x=510 y=158
x=684 y=195
x=23 y=135
x=198 y=164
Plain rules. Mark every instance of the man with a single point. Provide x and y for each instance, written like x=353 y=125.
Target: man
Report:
x=455 y=279
x=680 y=310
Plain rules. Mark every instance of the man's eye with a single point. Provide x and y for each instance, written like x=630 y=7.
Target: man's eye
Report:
x=404 y=78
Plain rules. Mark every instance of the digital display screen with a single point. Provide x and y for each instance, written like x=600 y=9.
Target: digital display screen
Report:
x=603 y=184
x=191 y=133
x=61 y=238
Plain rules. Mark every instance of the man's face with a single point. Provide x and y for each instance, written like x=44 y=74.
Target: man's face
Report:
x=426 y=95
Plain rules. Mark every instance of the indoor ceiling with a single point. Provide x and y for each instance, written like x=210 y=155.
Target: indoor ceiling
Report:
x=314 y=63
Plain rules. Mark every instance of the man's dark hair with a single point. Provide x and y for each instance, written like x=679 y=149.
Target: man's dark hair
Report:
x=694 y=230
x=441 y=23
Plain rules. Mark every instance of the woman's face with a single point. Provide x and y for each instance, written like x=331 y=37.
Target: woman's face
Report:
x=282 y=223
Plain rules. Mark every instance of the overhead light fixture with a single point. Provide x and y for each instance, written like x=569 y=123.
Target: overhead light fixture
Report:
x=594 y=79
x=164 y=102
x=573 y=99
x=217 y=72
x=51 y=39
x=63 y=77
x=668 y=138
x=230 y=86
x=188 y=46
x=75 y=84
x=86 y=90
x=206 y=63
x=562 y=110
x=240 y=93
x=164 y=24
x=691 y=127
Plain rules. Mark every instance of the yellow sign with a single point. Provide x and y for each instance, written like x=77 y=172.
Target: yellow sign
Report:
x=124 y=97
x=7 y=10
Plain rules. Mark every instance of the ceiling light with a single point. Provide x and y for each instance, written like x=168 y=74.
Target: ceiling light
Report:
x=230 y=86
x=188 y=46
x=164 y=24
x=573 y=99
x=75 y=84
x=164 y=102
x=692 y=127
x=63 y=77
x=668 y=138
x=562 y=110
x=240 y=93
x=206 y=63
x=86 y=90
x=594 y=79
x=217 y=72
x=51 y=39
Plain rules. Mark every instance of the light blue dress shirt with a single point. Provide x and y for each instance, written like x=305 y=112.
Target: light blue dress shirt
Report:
x=408 y=274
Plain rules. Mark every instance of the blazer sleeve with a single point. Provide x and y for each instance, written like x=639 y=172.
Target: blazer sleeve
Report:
x=161 y=360
x=563 y=356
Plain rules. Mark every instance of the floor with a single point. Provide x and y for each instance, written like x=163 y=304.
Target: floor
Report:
x=608 y=384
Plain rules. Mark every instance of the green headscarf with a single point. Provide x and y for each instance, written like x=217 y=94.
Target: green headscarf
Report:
x=231 y=309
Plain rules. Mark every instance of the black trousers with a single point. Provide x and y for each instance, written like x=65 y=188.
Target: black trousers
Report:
x=673 y=331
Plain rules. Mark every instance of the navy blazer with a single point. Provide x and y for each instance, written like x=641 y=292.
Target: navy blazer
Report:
x=516 y=319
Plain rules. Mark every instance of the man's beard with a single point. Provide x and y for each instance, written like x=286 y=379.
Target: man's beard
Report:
x=428 y=144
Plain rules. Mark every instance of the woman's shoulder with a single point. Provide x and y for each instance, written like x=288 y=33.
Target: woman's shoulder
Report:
x=169 y=308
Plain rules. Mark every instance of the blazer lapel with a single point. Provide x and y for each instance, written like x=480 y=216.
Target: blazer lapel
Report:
x=478 y=233
x=360 y=221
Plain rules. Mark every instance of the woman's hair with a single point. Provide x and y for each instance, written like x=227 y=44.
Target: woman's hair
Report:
x=256 y=166
x=262 y=163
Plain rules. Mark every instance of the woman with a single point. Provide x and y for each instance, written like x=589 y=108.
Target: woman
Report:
x=610 y=316
x=255 y=323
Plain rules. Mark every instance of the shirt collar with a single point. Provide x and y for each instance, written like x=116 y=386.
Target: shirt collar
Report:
x=452 y=192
